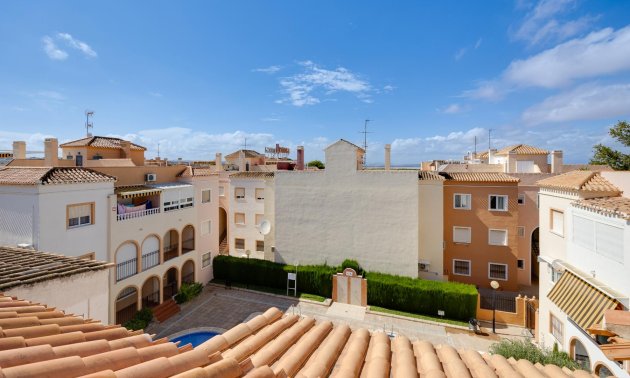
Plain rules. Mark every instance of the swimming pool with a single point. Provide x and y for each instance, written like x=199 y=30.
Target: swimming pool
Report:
x=194 y=338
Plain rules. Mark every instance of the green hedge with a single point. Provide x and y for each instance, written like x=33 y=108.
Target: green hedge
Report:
x=188 y=291
x=459 y=301
x=140 y=320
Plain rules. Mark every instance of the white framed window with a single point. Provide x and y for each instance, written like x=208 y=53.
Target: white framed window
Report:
x=239 y=218
x=171 y=205
x=521 y=199
x=258 y=219
x=497 y=271
x=461 y=234
x=79 y=215
x=239 y=193
x=497 y=202
x=461 y=267
x=461 y=201
x=206 y=195
x=520 y=231
x=260 y=193
x=556 y=328
x=260 y=245
x=497 y=237
x=556 y=222
x=186 y=202
x=206 y=259
x=239 y=243
x=221 y=191
x=205 y=227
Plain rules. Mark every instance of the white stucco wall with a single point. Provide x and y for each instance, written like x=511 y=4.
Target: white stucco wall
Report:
x=620 y=179
x=431 y=228
x=553 y=246
x=250 y=206
x=18 y=209
x=341 y=213
x=84 y=294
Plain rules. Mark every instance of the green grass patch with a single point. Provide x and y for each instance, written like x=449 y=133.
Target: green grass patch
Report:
x=418 y=316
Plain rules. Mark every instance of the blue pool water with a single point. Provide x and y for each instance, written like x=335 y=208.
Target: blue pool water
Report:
x=194 y=338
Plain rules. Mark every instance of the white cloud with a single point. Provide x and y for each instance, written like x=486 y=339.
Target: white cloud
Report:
x=34 y=141
x=49 y=95
x=303 y=88
x=582 y=103
x=453 y=109
x=155 y=94
x=268 y=70
x=388 y=88
x=487 y=90
x=79 y=45
x=51 y=49
x=461 y=52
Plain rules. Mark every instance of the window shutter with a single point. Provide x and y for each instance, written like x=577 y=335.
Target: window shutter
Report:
x=78 y=211
x=584 y=233
x=609 y=241
x=557 y=222
x=461 y=235
x=497 y=237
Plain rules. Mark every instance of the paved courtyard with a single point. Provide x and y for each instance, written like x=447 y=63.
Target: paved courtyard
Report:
x=221 y=309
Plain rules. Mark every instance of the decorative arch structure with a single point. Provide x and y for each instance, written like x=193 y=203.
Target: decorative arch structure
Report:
x=126 y=304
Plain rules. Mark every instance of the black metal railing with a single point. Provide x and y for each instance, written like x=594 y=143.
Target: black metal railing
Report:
x=188 y=245
x=126 y=269
x=150 y=260
x=170 y=289
x=151 y=300
x=503 y=301
x=188 y=278
x=170 y=252
x=126 y=314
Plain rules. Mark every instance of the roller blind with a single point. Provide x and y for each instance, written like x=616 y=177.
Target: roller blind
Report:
x=461 y=235
x=609 y=241
x=584 y=232
x=497 y=237
x=557 y=222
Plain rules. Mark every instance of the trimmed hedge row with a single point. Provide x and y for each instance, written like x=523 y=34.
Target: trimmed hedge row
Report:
x=459 y=301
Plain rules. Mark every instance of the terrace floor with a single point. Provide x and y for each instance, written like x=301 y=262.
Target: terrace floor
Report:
x=223 y=309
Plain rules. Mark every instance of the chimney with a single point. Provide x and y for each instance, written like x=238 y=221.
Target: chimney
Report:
x=51 y=152
x=218 y=162
x=241 y=161
x=19 y=149
x=388 y=151
x=300 y=158
x=126 y=149
x=556 y=162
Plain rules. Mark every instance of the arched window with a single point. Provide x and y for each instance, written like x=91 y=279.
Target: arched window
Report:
x=126 y=261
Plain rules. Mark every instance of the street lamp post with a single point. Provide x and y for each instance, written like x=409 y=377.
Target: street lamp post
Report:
x=247 y=252
x=495 y=285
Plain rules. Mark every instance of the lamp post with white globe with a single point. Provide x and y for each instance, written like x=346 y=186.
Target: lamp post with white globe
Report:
x=495 y=285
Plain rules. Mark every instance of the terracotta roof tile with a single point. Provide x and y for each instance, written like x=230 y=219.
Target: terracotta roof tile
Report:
x=430 y=176
x=252 y=175
x=479 y=177
x=101 y=142
x=197 y=172
x=611 y=206
x=586 y=181
x=248 y=154
x=586 y=167
x=47 y=175
x=498 y=168
x=522 y=149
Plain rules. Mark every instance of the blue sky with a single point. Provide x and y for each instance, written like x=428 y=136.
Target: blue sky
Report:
x=200 y=77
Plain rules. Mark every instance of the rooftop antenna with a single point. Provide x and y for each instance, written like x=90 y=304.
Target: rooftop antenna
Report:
x=158 y=151
x=365 y=133
x=489 y=139
x=245 y=144
x=475 y=147
x=88 y=125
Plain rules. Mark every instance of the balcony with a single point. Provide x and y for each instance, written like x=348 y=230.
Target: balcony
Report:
x=137 y=201
x=170 y=252
x=126 y=269
x=150 y=260
x=137 y=214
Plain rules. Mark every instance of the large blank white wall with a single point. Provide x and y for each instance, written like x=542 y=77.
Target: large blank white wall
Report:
x=18 y=209
x=341 y=213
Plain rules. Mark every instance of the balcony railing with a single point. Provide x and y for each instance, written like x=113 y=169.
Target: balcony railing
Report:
x=170 y=252
x=188 y=245
x=126 y=269
x=137 y=214
x=150 y=260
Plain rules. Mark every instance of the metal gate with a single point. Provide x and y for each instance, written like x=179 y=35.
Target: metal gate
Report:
x=530 y=317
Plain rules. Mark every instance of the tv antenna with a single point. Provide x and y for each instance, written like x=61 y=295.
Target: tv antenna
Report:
x=245 y=144
x=88 y=124
x=489 y=139
x=365 y=133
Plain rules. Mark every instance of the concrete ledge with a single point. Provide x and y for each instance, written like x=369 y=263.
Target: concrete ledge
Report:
x=425 y=321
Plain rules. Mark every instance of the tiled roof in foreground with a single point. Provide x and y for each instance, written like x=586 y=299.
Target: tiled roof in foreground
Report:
x=36 y=341
x=618 y=207
x=47 y=175
x=586 y=181
x=101 y=142
x=479 y=177
x=25 y=266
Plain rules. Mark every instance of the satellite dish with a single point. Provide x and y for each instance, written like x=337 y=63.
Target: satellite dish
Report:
x=264 y=227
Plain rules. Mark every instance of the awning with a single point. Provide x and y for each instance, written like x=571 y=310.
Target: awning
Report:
x=136 y=191
x=581 y=301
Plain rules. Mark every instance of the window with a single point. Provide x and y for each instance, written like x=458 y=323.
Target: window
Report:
x=497 y=271
x=521 y=199
x=171 y=205
x=260 y=245
x=206 y=196
x=520 y=263
x=461 y=267
x=556 y=328
x=555 y=274
x=221 y=191
x=186 y=202
x=260 y=193
x=205 y=227
x=497 y=203
x=259 y=219
x=88 y=256
x=609 y=241
x=497 y=237
x=520 y=231
x=239 y=193
x=461 y=234
x=461 y=201
x=239 y=218
x=80 y=215
x=206 y=259
x=557 y=222
x=239 y=243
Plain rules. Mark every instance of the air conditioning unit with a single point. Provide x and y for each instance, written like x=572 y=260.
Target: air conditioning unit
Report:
x=150 y=177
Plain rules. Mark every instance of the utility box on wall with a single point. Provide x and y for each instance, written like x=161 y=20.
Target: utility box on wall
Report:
x=350 y=288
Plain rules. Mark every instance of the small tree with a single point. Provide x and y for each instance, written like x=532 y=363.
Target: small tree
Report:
x=605 y=155
x=316 y=163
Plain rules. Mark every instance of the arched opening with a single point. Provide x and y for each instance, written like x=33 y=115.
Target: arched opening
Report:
x=188 y=239
x=151 y=292
x=579 y=354
x=171 y=245
x=535 y=253
x=150 y=252
x=188 y=272
x=126 y=304
x=169 y=281
x=126 y=261
x=223 y=235
x=603 y=371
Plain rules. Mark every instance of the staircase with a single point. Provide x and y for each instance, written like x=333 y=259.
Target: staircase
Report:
x=224 y=249
x=166 y=310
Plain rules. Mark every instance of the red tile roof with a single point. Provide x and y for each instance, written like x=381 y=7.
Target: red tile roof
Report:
x=253 y=175
x=101 y=142
x=522 y=149
x=247 y=153
x=479 y=177
x=48 y=176
x=618 y=207
x=586 y=181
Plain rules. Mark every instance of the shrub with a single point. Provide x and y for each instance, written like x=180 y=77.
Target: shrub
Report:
x=347 y=263
x=140 y=320
x=188 y=291
x=525 y=350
